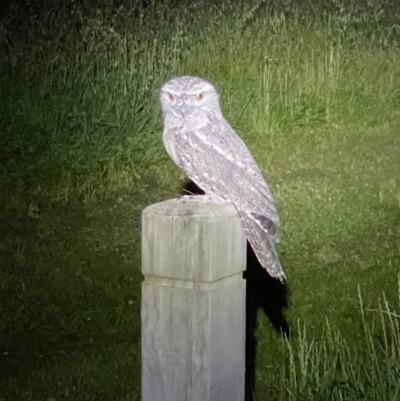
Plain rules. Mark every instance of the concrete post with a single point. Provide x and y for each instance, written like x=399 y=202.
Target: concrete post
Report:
x=193 y=302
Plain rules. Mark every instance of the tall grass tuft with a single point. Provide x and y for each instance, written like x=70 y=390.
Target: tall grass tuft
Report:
x=331 y=368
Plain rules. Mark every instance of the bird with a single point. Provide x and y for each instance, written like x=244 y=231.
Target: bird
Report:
x=201 y=142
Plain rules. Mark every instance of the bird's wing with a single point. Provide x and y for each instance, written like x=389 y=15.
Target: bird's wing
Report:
x=217 y=159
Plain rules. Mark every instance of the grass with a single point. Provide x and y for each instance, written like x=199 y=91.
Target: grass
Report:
x=314 y=92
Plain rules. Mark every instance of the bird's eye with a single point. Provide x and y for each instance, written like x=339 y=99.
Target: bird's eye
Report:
x=171 y=96
x=200 y=96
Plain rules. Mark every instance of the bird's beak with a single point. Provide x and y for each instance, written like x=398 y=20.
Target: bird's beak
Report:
x=185 y=109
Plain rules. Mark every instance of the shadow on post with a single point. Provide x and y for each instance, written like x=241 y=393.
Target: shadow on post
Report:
x=262 y=292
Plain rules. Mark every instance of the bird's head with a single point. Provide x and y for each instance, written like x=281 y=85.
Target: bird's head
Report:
x=186 y=95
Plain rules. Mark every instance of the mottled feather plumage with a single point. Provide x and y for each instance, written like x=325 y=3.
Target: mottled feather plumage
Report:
x=201 y=142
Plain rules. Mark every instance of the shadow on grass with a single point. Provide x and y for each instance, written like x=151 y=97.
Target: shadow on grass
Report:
x=263 y=292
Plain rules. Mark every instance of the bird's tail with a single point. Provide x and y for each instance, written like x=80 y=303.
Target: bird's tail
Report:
x=262 y=235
